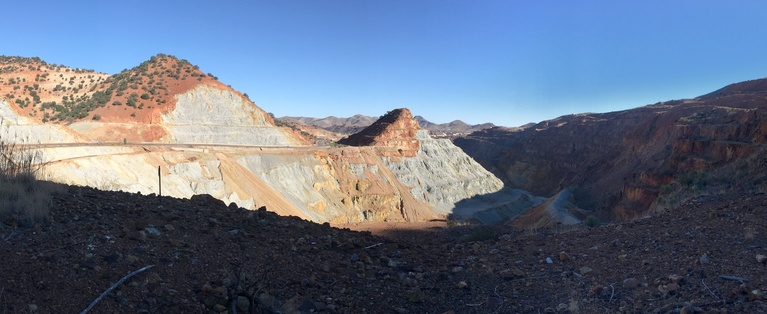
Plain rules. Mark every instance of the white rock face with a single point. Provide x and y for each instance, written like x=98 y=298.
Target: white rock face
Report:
x=18 y=129
x=137 y=172
x=442 y=175
x=294 y=177
x=207 y=115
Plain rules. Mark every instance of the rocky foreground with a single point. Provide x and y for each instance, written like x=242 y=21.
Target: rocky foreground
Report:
x=707 y=256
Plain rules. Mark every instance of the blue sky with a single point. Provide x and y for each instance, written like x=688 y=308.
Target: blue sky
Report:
x=507 y=62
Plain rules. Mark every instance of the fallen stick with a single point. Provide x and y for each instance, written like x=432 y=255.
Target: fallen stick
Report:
x=372 y=246
x=733 y=278
x=128 y=276
x=709 y=290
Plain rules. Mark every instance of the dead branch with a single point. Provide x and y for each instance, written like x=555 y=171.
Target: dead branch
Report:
x=733 y=278
x=128 y=276
x=709 y=290
x=372 y=246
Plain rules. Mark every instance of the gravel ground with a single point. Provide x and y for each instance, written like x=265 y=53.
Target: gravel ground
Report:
x=702 y=257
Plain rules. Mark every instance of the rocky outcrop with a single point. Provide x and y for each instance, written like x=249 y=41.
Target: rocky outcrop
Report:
x=396 y=130
x=617 y=163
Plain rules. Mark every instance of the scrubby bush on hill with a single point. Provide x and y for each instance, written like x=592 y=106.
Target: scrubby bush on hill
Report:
x=24 y=201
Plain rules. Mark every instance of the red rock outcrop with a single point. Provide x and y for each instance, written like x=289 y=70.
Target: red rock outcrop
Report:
x=396 y=129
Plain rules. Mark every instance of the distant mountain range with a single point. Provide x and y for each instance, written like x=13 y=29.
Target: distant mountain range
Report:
x=358 y=122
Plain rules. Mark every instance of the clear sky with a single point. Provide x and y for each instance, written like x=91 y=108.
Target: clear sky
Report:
x=507 y=62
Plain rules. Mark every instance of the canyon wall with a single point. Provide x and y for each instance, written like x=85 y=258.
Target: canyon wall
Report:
x=619 y=164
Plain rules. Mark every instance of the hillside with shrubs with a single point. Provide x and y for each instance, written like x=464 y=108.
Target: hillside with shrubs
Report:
x=54 y=93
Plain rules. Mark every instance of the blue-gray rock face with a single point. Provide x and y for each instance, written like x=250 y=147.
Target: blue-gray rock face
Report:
x=441 y=174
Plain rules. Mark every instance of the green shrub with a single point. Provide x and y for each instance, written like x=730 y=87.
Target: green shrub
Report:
x=592 y=221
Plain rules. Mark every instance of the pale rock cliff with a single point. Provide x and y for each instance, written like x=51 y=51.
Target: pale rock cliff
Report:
x=339 y=185
x=19 y=129
x=183 y=174
x=206 y=115
x=342 y=185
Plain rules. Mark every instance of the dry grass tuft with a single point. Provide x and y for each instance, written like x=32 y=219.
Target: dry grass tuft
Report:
x=24 y=201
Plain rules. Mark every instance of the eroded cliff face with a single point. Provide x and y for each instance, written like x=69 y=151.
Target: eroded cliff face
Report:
x=441 y=174
x=341 y=185
x=208 y=115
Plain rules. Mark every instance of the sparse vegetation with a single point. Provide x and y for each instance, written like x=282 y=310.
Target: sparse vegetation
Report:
x=694 y=180
x=74 y=93
x=666 y=189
